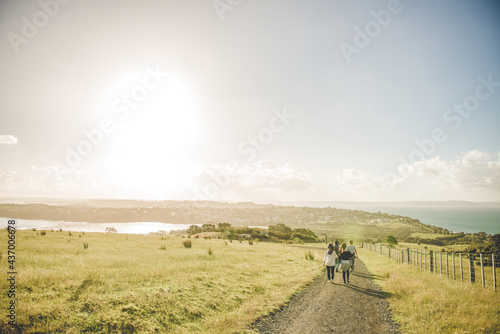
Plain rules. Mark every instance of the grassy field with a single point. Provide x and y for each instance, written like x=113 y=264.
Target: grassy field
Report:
x=425 y=303
x=461 y=269
x=148 y=283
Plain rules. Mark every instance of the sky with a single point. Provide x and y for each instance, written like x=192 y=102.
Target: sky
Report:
x=238 y=100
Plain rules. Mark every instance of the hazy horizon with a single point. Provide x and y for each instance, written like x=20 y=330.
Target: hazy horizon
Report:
x=380 y=101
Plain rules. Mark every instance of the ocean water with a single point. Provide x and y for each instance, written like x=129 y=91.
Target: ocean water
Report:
x=471 y=219
x=132 y=228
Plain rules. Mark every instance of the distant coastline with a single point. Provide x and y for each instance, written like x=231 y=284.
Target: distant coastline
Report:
x=456 y=216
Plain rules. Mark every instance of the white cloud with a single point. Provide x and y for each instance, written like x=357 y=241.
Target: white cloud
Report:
x=474 y=176
x=55 y=180
x=361 y=180
x=8 y=139
x=472 y=170
x=251 y=181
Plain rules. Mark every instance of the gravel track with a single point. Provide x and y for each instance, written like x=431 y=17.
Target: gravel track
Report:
x=323 y=307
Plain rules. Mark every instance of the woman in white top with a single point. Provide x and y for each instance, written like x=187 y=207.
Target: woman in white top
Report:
x=329 y=261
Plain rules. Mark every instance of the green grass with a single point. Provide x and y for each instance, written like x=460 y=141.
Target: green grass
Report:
x=425 y=303
x=146 y=283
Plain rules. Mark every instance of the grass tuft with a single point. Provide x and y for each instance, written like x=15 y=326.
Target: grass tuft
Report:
x=309 y=255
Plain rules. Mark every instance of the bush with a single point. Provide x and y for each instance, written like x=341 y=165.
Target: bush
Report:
x=210 y=251
x=298 y=241
x=187 y=243
x=250 y=241
x=85 y=245
x=309 y=256
x=42 y=233
x=391 y=240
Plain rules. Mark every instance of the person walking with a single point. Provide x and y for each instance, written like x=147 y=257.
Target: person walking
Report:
x=351 y=248
x=345 y=262
x=337 y=259
x=329 y=262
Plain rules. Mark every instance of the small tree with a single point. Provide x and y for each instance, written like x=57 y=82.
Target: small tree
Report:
x=111 y=230
x=194 y=229
x=391 y=240
x=231 y=234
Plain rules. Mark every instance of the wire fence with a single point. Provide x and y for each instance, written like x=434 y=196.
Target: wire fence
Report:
x=482 y=268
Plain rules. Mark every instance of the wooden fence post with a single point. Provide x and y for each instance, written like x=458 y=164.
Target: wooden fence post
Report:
x=431 y=261
x=453 y=264
x=419 y=259
x=461 y=268
x=482 y=269
x=435 y=263
x=441 y=263
x=471 y=269
x=425 y=260
x=494 y=272
x=447 y=272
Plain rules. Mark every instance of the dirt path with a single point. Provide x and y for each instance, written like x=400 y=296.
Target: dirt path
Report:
x=357 y=307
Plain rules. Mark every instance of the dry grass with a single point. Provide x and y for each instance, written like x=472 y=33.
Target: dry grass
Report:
x=143 y=284
x=425 y=303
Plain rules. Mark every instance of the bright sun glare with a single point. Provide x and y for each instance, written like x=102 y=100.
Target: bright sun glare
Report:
x=152 y=145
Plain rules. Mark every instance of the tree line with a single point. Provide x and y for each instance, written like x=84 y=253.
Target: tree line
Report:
x=273 y=232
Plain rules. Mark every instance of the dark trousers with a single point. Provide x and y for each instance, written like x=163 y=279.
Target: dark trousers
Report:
x=344 y=273
x=330 y=271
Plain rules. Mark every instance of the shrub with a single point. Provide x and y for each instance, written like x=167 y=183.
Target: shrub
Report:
x=309 y=256
x=85 y=245
x=250 y=241
x=111 y=230
x=298 y=241
x=210 y=251
x=42 y=233
x=391 y=240
x=163 y=247
x=187 y=243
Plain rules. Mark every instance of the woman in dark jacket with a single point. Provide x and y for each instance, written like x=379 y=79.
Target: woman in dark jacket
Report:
x=345 y=262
